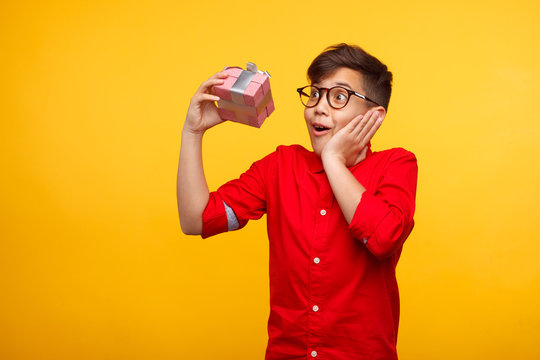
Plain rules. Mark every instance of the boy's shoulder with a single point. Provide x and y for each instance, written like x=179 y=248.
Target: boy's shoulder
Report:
x=285 y=153
x=393 y=152
x=287 y=156
x=296 y=152
x=292 y=149
x=392 y=157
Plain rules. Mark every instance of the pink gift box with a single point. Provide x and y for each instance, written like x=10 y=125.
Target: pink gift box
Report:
x=245 y=97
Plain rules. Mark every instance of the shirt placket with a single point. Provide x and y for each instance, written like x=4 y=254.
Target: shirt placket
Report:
x=318 y=268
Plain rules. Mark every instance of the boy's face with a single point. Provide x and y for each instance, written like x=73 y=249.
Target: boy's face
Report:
x=323 y=115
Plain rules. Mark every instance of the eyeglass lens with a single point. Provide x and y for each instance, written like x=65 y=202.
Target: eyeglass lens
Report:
x=337 y=96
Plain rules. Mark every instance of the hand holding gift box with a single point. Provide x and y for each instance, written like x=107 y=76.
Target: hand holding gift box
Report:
x=245 y=96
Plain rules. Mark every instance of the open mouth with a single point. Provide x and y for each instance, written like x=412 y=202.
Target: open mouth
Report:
x=319 y=129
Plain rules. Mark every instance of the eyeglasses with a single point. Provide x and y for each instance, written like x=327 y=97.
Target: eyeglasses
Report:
x=337 y=96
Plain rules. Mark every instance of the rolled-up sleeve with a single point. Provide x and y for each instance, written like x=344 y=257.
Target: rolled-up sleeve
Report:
x=214 y=216
x=246 y=196
x=384 y=217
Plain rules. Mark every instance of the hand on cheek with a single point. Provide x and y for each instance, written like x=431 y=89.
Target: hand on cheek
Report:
x=348 y=144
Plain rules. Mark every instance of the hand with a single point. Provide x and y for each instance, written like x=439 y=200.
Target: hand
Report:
x=202 y=113
x=348 y=145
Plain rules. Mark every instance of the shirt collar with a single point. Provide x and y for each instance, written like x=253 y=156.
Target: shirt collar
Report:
x=315 y=164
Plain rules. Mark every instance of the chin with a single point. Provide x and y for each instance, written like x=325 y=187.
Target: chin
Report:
x=317 y=143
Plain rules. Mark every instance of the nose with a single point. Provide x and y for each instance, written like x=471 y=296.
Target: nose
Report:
x=322 y=106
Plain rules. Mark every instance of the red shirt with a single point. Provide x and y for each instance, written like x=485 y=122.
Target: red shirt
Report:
x=333 y=289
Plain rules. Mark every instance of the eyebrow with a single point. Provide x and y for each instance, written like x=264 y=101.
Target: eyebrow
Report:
x=344 y=84
x=339 y=83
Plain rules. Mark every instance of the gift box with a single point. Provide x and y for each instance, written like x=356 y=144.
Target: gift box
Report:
x=245 y=97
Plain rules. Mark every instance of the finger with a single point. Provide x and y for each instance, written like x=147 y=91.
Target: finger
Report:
x=372 y=130
x=206 y=97
x=354 y=123
x=369 y=119
x=219 y=75
x=361 y=124
x=209 y=83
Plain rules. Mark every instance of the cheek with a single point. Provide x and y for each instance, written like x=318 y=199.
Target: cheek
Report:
x=342 y=119
x=308 y=115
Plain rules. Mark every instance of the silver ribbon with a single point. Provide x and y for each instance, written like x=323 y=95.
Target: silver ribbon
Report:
x=240 y=85
x=244 y=109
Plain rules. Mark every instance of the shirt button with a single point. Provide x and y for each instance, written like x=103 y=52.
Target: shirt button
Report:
x=364 y=240
x=323 y=212
x=313 y=353
x=315 y=308
x=316 y=260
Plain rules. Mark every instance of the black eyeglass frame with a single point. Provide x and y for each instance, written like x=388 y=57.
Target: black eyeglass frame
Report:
x=349 y=91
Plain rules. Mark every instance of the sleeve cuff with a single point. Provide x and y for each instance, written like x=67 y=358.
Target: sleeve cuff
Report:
x=214 y=217
x=367 y=217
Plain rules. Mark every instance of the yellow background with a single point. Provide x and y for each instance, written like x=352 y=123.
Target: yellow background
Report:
x=93 y=97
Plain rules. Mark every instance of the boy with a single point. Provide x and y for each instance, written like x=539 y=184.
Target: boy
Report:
x=337 y=217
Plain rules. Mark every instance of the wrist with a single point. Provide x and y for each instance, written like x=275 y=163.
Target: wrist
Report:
x=191 y=133
x=332 y=159
x=192 y=137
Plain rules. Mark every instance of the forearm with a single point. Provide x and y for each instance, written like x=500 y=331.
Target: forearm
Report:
x=192 y=190
x=347 y=190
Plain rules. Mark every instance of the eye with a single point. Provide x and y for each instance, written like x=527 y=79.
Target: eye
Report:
x=339 y=96
x=314 y=94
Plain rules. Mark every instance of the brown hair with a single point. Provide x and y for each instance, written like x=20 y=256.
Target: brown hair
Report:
x=377 y=78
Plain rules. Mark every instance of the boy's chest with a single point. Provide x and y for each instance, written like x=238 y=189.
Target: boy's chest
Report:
x=303 y=202
x=305 y=222
x=303 y=189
